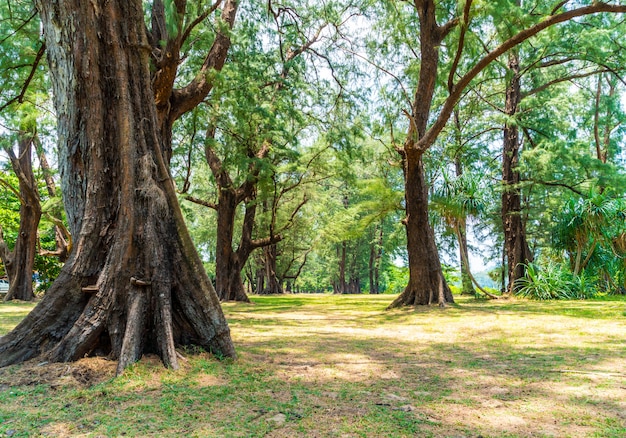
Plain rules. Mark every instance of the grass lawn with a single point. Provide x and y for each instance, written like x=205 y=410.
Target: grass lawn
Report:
x=342 y=366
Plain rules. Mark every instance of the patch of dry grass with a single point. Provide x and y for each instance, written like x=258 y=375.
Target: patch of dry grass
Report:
x=325 y=366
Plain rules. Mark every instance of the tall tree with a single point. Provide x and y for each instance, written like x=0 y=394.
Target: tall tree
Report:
x=426 y=283
x=19 y=262
x=133 y=282
x=530 y=72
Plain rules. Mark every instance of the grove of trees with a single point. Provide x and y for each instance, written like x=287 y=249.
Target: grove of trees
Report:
x=161 y=156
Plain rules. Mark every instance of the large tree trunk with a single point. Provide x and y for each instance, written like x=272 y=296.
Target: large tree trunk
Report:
x=427 y=284
x=228 y=263
x=516 y=246
x=133 y=282
x=19 y=263
x=273 y=285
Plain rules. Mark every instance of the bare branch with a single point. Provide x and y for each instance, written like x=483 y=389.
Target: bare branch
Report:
x=199 y=201
x=266 y=241
x=555 y=184
x=559 y=80
x=20 y=27
x=559 y=6
x=460 y=47
x=447 y=28
x=20 y=97
x=384 y=70
x=199 y=19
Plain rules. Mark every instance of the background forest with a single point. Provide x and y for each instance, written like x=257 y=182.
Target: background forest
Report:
x=292 y=172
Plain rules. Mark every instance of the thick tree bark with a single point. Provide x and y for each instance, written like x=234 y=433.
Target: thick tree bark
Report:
x=19 y=263
x=516 y=246
x=133 y=282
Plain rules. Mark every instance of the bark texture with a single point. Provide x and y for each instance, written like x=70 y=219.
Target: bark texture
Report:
x=229 y=262
x=133 y=282
x=427 y=284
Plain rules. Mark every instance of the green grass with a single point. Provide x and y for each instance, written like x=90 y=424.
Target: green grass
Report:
x=343 y=366
x=11 y=313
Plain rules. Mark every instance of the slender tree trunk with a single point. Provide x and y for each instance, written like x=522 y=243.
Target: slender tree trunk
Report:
x=379 y=256
x=603 y=143
x=376 y=250
x=133 y=282
x=516 y=246
x=372 y=268
x=19 y=263
x=62 y=237
x=260 y=280
x=341 y=286
x=467 y=287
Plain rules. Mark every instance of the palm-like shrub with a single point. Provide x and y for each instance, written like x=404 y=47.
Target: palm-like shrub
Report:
x=554 y=281
x=584 y=225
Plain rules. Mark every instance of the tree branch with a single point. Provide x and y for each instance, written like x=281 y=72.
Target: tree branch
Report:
x=559 y=6
x=199 y=201
x=5 y=253
x=559 y=80
x=190 y=27
x=460 y=47
x=555 y=184
x=187 y=98
x=20 y=97
x=266 y=241
x=16 y=192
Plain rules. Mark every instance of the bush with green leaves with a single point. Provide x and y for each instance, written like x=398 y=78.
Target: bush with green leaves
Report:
x=554 y=281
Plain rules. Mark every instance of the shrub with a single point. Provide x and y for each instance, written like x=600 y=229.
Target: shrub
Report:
x=554 y=282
